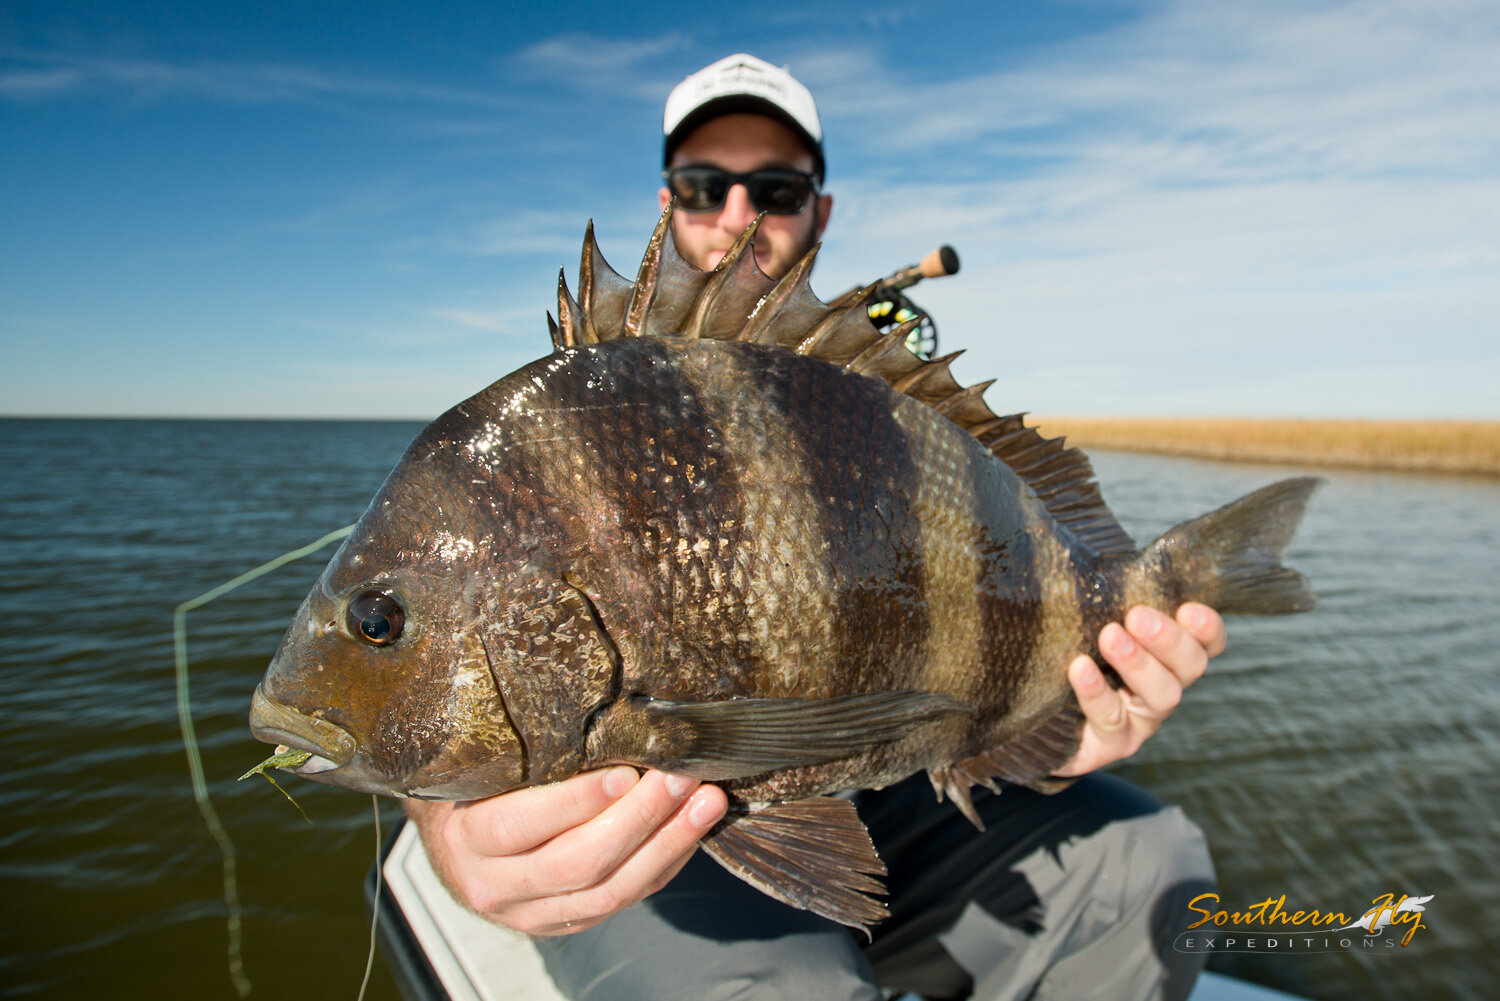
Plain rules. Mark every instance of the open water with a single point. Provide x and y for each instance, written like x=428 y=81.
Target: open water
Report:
x=1332 y=757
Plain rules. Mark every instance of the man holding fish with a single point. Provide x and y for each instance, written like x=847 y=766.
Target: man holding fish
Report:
x=1075 y=894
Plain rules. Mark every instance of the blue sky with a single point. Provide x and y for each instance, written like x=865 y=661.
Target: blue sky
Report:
x=359 y=209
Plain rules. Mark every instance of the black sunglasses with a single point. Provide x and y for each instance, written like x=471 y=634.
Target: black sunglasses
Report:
x=775 y=190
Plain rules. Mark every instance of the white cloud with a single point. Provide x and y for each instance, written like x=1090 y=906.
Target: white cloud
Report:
x=489 y=321
x=1292 y=205
x=1262 y=87
x=554 y=233
x=33 y=84
x=595 y=65
x=50 y=75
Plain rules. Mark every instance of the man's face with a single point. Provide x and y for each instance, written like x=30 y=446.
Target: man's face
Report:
x=743 y=143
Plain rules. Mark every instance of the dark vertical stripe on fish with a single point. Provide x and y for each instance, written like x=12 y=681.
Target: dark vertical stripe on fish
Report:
x=1009 y=592
x=780 y=564
x=981 y=587
x=856 y=481
x=655 y=472
x=1054 y=627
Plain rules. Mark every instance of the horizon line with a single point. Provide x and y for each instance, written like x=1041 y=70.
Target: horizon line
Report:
x=1035 y=415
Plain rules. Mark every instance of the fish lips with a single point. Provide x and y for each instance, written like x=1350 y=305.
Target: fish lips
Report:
x=334 y=750
x=336 y=759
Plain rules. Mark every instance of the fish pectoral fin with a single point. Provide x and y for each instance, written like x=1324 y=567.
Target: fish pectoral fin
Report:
x=735 y=738
x=1028 y=760
x=813 y=854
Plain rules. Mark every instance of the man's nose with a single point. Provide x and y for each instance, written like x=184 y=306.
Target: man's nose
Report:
x=738 y=211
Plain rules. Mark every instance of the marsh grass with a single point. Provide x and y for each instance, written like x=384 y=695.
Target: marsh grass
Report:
x=1471 y=447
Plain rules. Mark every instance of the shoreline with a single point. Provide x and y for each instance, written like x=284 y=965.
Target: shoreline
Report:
x=1436 y=446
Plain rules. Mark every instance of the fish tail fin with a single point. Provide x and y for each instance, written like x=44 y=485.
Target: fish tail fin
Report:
x=1231 y=558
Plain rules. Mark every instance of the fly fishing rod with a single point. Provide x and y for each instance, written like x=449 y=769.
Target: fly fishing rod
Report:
x=889 y=306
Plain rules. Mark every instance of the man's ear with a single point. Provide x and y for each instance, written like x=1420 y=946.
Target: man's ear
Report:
x=663 y=196
x=821 y=212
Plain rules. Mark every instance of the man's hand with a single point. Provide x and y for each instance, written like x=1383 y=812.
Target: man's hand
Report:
x=556 y=859
x=1156 y=658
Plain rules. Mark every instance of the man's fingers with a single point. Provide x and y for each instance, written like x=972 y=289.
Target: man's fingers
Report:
x=1172 y=647
x=1156 y=658
x=1206 y=625
x=1101 y=704
x=1107 y=733
x=520 y=821
x=1149 y=689
x=646 y=870
x=653 y=865
x=586 y=855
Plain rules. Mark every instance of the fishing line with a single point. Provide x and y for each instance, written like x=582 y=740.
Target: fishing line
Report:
x=195 y=758
x=375 y=907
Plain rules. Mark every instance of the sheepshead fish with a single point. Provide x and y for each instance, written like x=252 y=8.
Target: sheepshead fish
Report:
x=730 y=531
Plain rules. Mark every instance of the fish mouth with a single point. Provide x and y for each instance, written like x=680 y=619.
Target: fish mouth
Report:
x=330 y=745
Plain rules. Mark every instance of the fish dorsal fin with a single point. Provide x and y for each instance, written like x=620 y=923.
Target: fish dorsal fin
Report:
x=789 y=310
x=738 y=302
x=732 y=293
x=603 y=294
x=567 y=330
x=666 y=287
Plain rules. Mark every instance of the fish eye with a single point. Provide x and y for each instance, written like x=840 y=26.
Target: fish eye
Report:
x=375 y=616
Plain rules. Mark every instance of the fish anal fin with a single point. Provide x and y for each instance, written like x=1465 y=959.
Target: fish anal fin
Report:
x=813 y=854
x=1028 y=760
x=735 y=738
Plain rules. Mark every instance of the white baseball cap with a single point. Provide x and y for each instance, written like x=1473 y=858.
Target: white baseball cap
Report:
x=740 y=83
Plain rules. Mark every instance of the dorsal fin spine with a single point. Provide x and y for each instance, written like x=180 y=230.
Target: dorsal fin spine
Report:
x=643 y=292
x=761 y=327
x=955 y=406
x=712 y=315
x=586 y=284
x=567 y=315
x=871 y=359
x=570 y=315
x=935 y=369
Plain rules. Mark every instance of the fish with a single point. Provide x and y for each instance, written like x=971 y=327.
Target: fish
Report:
x=727 y=530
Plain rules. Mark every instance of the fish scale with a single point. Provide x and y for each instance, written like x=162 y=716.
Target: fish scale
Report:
x=729 y=531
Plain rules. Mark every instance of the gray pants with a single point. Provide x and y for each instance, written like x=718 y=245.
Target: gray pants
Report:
x=1076 y=895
